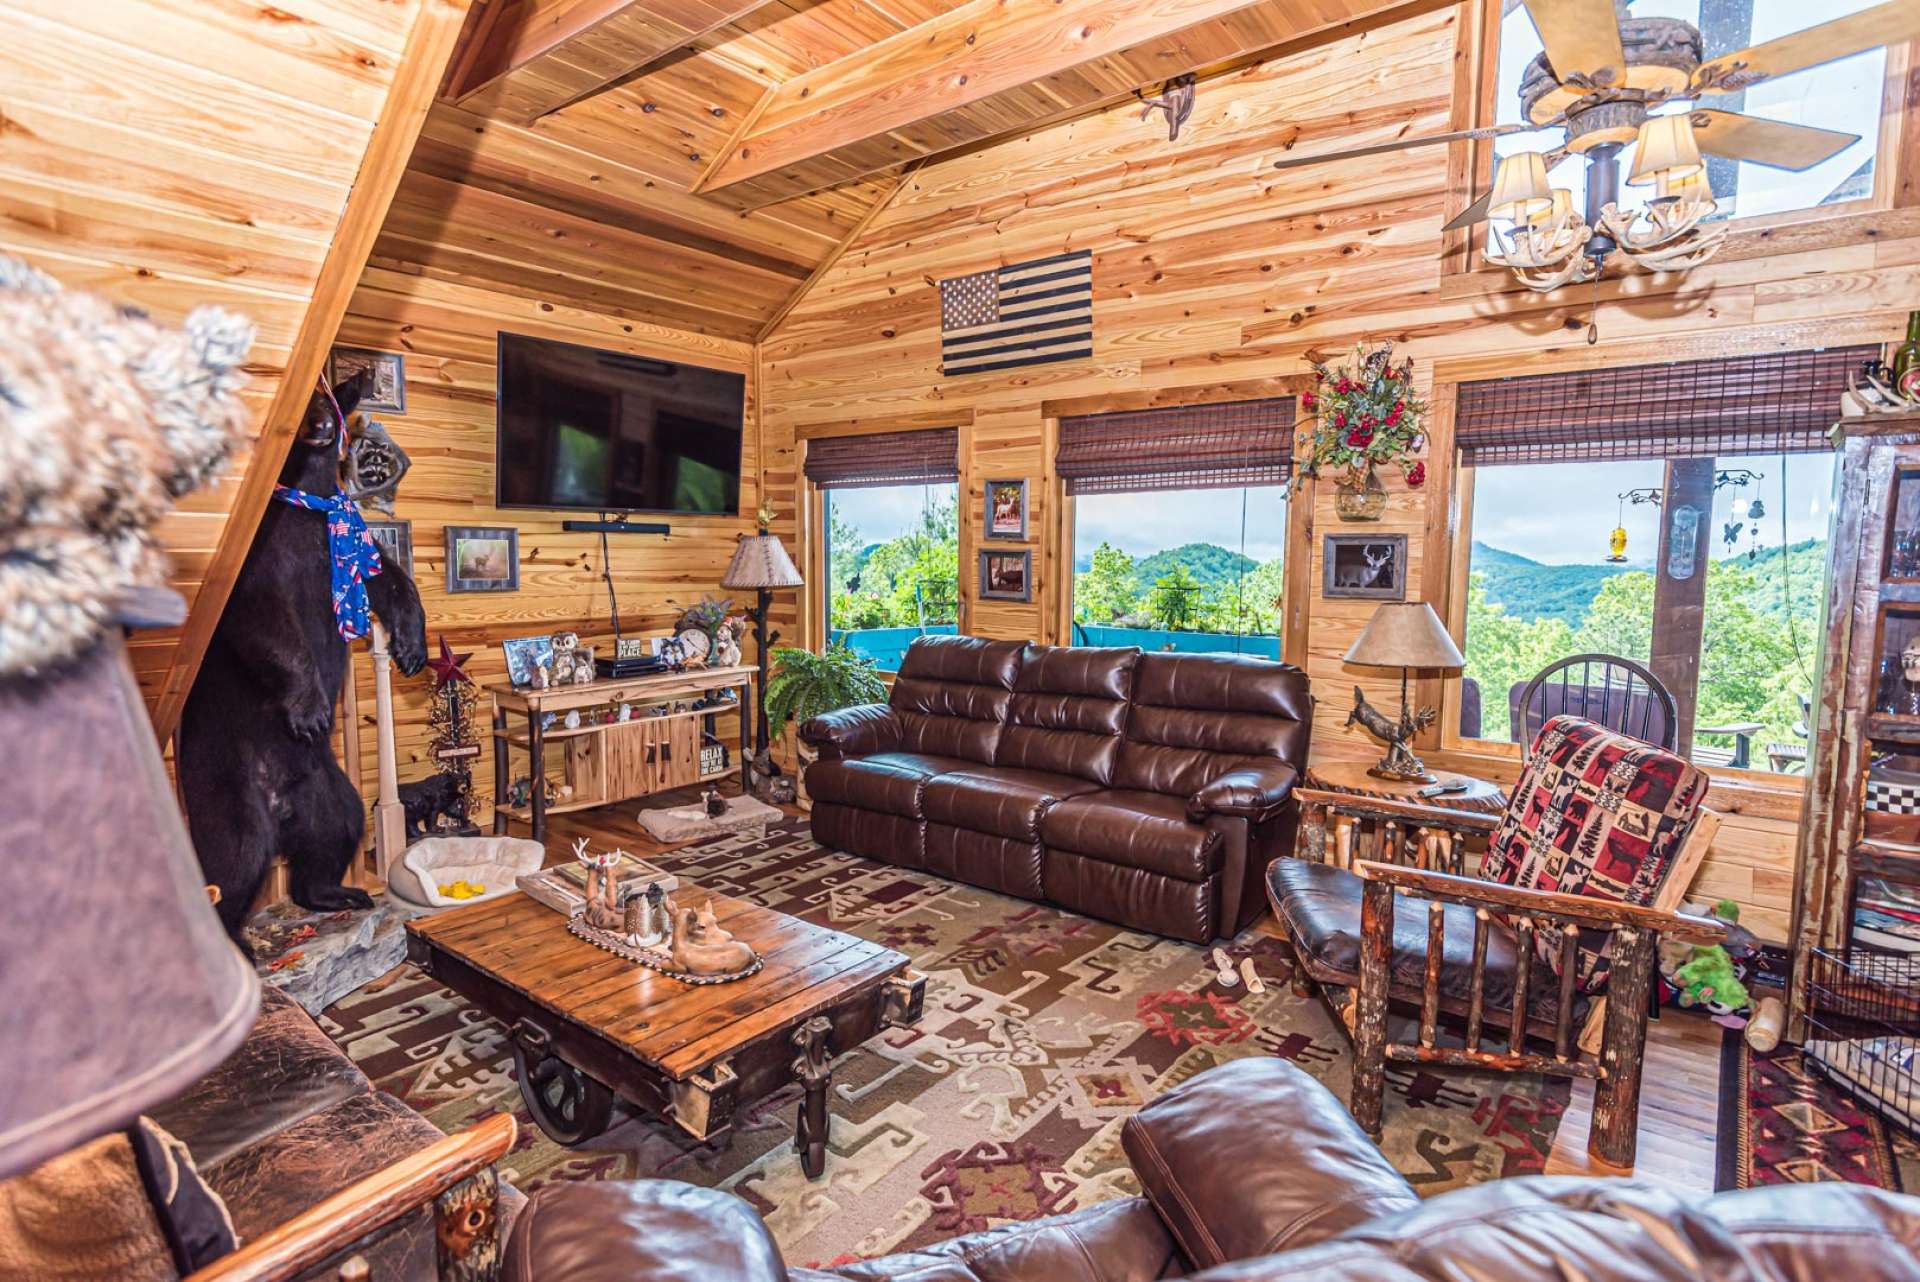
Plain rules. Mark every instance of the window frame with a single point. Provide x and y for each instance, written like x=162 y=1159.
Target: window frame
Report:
x=1470 y=164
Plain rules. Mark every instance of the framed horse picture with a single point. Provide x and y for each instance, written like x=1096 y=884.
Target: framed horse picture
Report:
x=483 y=558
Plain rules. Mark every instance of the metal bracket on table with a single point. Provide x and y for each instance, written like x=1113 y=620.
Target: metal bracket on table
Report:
x=903 y=1000
x=702 y=1105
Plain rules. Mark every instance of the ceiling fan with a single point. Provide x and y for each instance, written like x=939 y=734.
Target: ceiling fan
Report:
x=1598 y=78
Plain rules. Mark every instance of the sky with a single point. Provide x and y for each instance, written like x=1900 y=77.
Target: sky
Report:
x=1563 y=513
x=1843 y=95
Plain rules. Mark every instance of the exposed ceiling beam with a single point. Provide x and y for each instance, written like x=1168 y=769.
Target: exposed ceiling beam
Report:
x=986 y=69
x=532 y=58
x=826 y=264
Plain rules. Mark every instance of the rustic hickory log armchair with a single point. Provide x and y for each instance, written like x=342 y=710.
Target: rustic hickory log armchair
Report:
x=1553 y=941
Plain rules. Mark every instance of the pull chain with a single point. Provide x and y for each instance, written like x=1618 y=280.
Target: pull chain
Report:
x=1593 y=312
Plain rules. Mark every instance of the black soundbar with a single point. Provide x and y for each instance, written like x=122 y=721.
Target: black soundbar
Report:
x=621 y=669
x=616 y=527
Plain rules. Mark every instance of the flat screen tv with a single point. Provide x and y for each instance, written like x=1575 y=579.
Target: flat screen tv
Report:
x=596 y=431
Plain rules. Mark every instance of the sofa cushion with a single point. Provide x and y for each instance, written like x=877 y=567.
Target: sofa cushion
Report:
x=1117 y=1241
x=1254 y=1157
x=286 y=1070
x=1068 y=708
x=997 y=799
x=1196 y=717
x=1147 y=830
x=951 y=695
x=1595 y=813
x=639 y=1231
x=890 y=782
x=1320 y=907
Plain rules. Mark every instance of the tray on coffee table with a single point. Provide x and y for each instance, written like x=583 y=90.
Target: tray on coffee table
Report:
x=589 y=1027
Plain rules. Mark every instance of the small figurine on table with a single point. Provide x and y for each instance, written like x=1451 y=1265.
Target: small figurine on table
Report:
x=702 y=947
x=602 y=910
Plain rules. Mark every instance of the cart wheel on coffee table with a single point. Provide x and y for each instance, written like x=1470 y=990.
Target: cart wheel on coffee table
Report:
x=568 y=1105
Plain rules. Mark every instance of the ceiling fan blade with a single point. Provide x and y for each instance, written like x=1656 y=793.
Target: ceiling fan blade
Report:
x=1767 y=142
x=1582 y=39
x=1884 y=24
x=1477 y=211
x=1401 y=144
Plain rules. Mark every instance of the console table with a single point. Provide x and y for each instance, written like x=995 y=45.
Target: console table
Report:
x=609 y=761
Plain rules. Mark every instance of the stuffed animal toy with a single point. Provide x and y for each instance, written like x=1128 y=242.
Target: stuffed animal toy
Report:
x=1710 y=977
x=255 y=763
x=106 y=419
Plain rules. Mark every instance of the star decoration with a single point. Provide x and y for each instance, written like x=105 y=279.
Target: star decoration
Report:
x=448 y=667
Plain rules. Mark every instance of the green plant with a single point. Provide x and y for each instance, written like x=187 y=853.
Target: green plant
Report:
x=805 y=684
x=1174 y=598
x=1368 y=414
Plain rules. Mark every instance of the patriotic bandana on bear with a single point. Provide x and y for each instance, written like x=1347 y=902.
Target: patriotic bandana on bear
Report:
x=355 y=557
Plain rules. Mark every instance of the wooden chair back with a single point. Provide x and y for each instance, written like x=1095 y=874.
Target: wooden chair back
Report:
x=1605 y=689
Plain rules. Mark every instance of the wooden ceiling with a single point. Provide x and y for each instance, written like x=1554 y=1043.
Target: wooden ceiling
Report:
x=695 y=163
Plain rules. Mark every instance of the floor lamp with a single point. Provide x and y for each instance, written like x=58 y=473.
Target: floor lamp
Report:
x=761 y=564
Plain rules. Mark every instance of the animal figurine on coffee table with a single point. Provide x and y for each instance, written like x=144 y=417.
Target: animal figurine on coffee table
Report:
x=702 y=947
x=256 y=767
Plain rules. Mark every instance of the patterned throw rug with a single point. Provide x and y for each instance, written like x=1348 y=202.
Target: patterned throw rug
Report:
x=1782 y=1121
x=1043 y=1032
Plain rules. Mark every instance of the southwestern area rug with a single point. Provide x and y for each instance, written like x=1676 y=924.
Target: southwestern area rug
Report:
x=1043 y=1031
x=1783 y=1121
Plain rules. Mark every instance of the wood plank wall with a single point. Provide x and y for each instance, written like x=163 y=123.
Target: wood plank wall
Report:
x=448 y=332
x=172 y=153
x=1210 y=266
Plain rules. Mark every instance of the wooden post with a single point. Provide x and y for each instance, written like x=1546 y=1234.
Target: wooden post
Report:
x=389 y=818
x=1615 y=1134
x=1370 y=1013
x=1679 y=605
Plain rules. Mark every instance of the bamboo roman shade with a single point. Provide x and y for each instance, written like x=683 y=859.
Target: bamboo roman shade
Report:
x=1181 y=447
x=1779 y=402
x=926 y=456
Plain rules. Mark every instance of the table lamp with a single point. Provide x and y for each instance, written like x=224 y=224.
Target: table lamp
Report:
x=118 y=987
x=1403 y=635
x=761 y=563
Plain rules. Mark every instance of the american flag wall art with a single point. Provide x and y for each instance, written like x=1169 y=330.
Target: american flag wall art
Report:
x=1027 y=314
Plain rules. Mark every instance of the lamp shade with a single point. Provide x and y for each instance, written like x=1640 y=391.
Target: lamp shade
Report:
x=1405 y=634
x=118 y=987
x=1561 y=208
x=761 y=562
x=1666 y=148
x=1693 y=189
x=1520 y=187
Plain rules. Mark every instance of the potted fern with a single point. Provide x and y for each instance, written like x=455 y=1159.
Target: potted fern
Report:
x=804 y=685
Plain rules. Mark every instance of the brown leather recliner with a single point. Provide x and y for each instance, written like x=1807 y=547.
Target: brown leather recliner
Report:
x=1253 y=1172
x=1146 y=789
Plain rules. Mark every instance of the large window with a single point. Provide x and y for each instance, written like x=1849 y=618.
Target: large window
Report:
x=1179 y=525
x=1844 y=95
x=1188 y=570
x=893 y=565
x=1572 y=481
x=891 y=531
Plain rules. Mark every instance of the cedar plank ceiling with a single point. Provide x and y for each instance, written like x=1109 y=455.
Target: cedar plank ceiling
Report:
x=661 y=160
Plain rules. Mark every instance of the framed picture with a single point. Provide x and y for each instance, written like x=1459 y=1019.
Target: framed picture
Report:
x=1006 y=575
x=483 y=558
x=526 y=656
x=388 y=394
x=1006 y=515
x=1367 y=566
x=395 y=539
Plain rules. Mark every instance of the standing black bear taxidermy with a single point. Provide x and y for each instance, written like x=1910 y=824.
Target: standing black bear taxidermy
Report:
x=255 y=761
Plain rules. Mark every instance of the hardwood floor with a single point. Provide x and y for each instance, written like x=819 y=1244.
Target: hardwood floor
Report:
x=1679 y=1101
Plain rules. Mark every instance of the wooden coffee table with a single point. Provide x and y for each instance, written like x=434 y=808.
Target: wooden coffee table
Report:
x=589 y=1027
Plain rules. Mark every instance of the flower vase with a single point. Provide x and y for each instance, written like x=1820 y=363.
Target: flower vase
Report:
x=1361 y=498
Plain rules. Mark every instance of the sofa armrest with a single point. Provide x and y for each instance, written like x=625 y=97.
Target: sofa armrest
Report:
x=1254 y=792
x=640 y=1231
x=853 y=732
x=1254 y=1157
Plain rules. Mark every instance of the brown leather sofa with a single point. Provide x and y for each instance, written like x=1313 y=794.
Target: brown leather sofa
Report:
x=1254 y=1172
x=1146 y=789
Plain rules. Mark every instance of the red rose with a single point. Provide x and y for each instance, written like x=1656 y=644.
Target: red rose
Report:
x=1417 y=474
x=1360 y=437
x=1339 y=418
x=1307 y=400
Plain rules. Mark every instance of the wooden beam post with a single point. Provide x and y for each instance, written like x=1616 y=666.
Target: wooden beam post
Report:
x=1680 y=604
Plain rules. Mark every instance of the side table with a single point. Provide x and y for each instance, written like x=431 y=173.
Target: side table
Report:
x=1345 y=782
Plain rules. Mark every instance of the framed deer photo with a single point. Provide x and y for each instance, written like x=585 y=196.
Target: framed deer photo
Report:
x=1371 y=567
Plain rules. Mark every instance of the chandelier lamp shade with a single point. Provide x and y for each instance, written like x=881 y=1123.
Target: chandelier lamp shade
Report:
x=1665 y=151
x=1520 y=188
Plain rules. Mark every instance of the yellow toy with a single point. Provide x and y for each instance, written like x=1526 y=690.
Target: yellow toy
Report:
x=464 y=889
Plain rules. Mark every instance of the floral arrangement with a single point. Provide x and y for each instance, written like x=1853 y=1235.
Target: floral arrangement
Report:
x=1368 y=415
